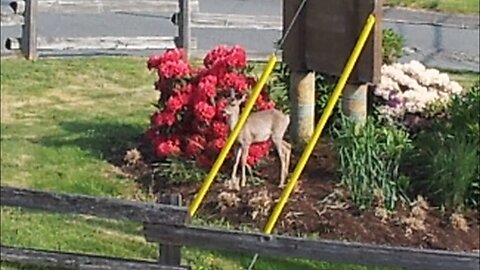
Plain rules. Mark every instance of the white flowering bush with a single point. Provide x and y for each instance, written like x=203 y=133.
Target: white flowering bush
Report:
x=411 y=87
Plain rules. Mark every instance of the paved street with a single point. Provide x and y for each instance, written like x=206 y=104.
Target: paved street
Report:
x=435 y=39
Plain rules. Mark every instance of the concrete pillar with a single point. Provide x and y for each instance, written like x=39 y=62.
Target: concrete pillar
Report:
x=302 y=97
x=354 y=102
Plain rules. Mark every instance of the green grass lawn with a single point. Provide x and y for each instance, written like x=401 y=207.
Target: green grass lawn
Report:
x=466 y=78
x=451 y=6
x=61 y=120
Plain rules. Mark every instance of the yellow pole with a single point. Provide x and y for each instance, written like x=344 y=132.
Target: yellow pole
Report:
x=321 y=124
x=233 y=136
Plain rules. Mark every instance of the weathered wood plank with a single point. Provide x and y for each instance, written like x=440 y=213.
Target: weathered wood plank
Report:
x=221 y=20
x=323 y=250
x=170 y=254
x=95 y=206
x=76 y=261
x=294 y=46
x=29 y=30
x=184 y=30
x=99 y=43
x=101 y=6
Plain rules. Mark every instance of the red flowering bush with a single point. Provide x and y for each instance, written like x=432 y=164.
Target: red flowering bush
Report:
x=189 y=122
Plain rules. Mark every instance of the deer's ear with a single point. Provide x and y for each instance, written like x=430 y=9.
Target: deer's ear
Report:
x=244 y=97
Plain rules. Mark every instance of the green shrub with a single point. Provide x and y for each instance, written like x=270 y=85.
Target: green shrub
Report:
x=451 y=171
x=392 y=46
x=324 y=86
x=178 y=171
x=448 y=153
x=369 y=158
x=464 y=115
x=279 y=87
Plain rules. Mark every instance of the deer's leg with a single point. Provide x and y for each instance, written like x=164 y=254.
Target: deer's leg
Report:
x=244 y=164
x=249 y=168
x=287 y=149
x=233 y=183
x=278 y=142
x=237 y=161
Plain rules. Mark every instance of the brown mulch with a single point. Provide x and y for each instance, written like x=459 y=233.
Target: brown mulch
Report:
x=319 y=206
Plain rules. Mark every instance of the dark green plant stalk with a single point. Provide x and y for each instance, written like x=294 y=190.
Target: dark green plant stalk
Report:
x=369 y=158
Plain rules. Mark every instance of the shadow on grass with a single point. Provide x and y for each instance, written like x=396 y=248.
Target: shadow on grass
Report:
x=105 y=140
x=23 y=266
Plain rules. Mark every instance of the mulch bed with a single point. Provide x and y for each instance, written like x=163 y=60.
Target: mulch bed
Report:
x=319 y=206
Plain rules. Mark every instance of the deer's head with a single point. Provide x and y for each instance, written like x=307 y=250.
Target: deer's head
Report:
x=233 y=104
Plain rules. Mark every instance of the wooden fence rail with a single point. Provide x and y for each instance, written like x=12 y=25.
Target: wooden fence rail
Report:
x=98 y=43
x=94 y=206
x=102 y=6
x=320 y=250
x=76 y=261
x=26 y=14
x=169 y=226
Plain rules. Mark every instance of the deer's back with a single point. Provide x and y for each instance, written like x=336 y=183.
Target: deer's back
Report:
x=261 y=125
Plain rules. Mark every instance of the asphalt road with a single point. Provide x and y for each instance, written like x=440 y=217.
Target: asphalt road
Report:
x=434 y=39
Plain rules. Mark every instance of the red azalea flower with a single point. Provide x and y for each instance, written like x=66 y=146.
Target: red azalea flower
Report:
x=208 y=86
x=231 y=57
x=163 y=118
x=268 y=105
x=219 y=69
x=165 y=147
x=155 y=119
x=154 y=61
x=237 y=57
x=234 y=81
x=263 y=102
x=173 y=70
x=220 y=129
x=195 y=144
x=258 y=151
x=219 y=109
x=216 y=54
x=204 y=111
x=184 y=93
x=184 y=98
x=252 y=160
x=218 y=144
x=175 y=103
x=168 y=118
x=201 y=121
x=173 y=55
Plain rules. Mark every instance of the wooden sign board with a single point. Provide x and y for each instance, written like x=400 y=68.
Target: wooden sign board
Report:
x=325 y=33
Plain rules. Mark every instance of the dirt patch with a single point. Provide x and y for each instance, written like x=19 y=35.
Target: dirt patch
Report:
x=320 y=207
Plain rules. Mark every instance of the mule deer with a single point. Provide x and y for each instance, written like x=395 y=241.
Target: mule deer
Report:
x=260 y=126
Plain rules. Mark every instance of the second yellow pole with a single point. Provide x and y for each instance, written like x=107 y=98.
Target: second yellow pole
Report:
x=321 y=124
